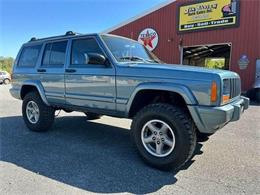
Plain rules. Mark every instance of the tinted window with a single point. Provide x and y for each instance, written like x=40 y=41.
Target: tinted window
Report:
x=81 y=48
x=54 y=53
x=29 y=55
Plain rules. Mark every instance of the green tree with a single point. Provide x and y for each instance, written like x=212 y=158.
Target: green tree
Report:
x=6 y=63
x=215 y=63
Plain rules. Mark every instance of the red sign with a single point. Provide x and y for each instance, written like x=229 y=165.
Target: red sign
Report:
x=149 y=38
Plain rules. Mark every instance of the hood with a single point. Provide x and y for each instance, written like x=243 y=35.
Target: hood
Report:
x=170 y=70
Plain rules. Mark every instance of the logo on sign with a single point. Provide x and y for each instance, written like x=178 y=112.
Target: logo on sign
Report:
x=149 y=38
x=243 y=62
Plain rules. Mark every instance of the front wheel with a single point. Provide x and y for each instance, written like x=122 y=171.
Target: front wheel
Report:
x=36 y=114
x=164 y=135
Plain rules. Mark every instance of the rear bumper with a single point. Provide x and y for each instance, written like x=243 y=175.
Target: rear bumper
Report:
x=210 y=119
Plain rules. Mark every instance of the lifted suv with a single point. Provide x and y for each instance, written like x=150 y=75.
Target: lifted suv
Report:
x=101 y=74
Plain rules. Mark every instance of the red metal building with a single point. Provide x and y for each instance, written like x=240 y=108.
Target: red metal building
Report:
x=234 y=43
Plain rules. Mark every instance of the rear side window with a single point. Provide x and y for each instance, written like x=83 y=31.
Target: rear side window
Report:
x=54 y=53
x=29 y=56
x=81 y=48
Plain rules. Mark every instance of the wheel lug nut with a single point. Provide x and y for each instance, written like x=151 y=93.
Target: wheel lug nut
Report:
x=160 y=133
x=163 y=139
x=158 y=142
x=154 y=138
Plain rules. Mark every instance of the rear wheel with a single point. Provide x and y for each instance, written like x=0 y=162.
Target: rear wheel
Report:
x=6 y=81
x=164 y=135
x=36 y=114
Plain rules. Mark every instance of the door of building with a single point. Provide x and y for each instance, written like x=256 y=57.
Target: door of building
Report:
x=210 y=56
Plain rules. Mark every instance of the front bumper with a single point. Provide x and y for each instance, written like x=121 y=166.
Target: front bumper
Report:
x=210 y=119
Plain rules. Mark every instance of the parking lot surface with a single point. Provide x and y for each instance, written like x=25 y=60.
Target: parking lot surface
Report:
x=79 y=157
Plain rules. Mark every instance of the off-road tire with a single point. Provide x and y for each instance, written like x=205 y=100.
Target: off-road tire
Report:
x=92 y=116
x=184 y=130
x=46 y=117
x=6 y=81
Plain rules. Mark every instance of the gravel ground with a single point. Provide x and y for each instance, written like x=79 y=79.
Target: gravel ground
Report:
x=80 y=157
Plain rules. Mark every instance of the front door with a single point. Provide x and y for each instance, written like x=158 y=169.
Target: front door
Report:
x=89 y=85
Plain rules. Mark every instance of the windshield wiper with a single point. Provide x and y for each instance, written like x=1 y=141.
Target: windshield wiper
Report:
x=136 y=58
x=153 y=61
x=132 y=58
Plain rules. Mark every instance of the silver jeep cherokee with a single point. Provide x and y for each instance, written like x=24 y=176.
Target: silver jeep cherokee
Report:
x=101 y=74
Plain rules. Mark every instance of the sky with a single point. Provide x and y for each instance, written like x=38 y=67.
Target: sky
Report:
x=22 y=19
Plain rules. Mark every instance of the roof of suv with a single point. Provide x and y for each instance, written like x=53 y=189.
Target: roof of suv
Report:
x=68 y=34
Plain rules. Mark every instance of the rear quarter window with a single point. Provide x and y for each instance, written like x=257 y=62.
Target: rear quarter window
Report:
x=29 y=56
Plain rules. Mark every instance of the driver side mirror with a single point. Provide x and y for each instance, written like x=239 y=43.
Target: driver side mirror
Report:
x=96 y=58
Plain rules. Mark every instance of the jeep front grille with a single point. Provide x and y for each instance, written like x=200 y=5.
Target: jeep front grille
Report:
x=235 y=87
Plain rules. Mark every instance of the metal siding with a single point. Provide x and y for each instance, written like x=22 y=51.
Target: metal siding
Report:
x=245 y=39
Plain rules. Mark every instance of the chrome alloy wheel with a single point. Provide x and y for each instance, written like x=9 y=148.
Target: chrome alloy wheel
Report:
x=158 y=138
x=32 y=112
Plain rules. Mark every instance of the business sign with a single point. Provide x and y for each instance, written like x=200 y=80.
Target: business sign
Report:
x=208 y=14
x=243 y=62
x=149 y=38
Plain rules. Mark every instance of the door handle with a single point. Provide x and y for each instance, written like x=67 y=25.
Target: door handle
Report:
x=70 y=70
x=41 y=70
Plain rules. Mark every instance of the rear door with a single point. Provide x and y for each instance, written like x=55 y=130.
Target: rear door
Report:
x=89 y=85
x=51 y=71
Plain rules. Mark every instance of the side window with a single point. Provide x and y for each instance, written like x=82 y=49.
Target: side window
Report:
x=54 y=53
x=29 y=56
x=81 y=49
x=46 y=55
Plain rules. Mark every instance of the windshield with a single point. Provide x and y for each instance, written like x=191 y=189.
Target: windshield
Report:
x=125 y=50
